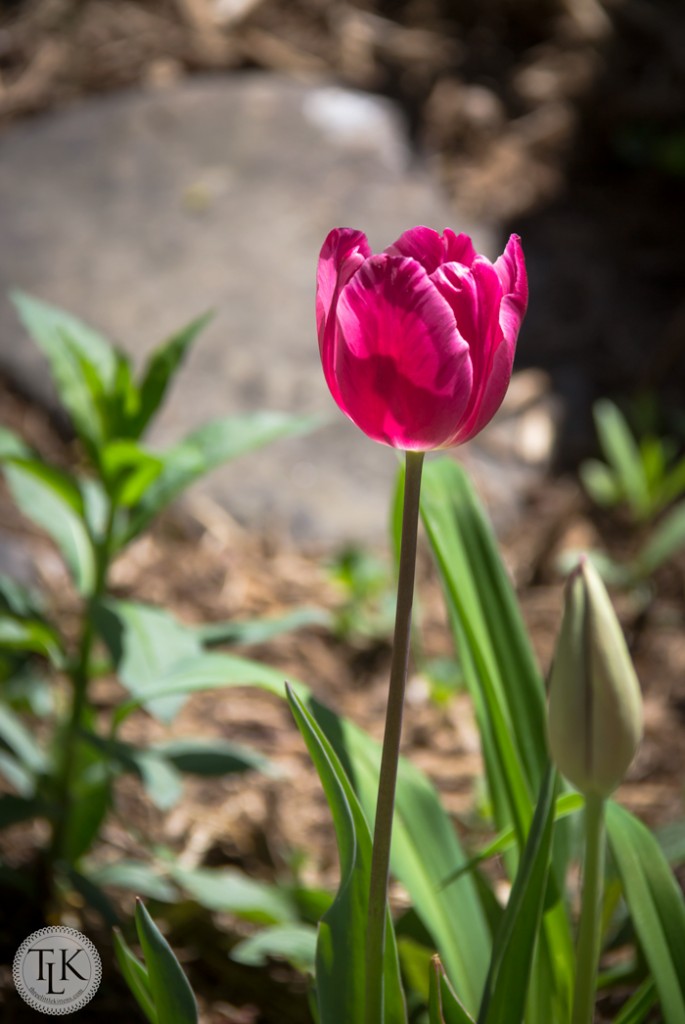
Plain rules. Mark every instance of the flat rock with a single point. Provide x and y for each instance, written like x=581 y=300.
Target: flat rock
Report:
x=138 y=211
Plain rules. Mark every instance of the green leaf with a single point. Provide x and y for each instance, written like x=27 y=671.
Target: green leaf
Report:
x=666 y=540
x=208 y=447
x=637 y=1008
x=622 y=453
x=454 y=917
x=340 y=959
x=135 y=976
x=82 y=362
x=656 y=905
x=211 y=757
x=52 y=500
x=506 y=988
x=231 y=891
x=259 y=631
x=12 y=446
x=600 y=483
x=171 y=994
x=14 y=809
x=135 y=876
x=129 y=470
x=31 y=635
x=295 y=943
x=90 y=800
x=507 y=693
x=24 y=744
x=443 y=1005
x=146 y=644
x=161 y=369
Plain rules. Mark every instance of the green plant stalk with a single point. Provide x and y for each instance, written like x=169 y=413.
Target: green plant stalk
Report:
x=385 y=806
x=591 y=910
x=80 y=678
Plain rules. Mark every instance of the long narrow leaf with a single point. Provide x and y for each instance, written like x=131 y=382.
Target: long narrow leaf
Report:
x=656 y=906
x=443 y=1004
x=171 y=993
x=340 y=953
x=506 y=987
x=136 y=976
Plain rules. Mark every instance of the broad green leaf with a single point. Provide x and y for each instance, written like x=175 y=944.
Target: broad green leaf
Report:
x=161 y=369
x=135 y=876
x=443 y=1005
x=161 y=780
x=656 y=905
x=12 y=446
x=208 y=447
x=295 y=943
x=667 y=538
x=506 y=987
x=622 y=453
x=453 y=917
x=135 y=976
x=599 y=482
x=90 y=800
x=211 y=757
x=51 y=500
x=24 y=744
x=22 y=781
x=82 y=362
x=14 y=809
x=129 y=470
x=259 y=631
x=171 y=994
x=146 y=644
x=31 y=635
x=340 y=952
x=231 y=891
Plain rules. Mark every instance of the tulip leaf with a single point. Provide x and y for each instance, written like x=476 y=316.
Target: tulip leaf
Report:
x=656 y=906
x=443 y=1005
x=506 y=987
x=506 y=689
x=637 y=1008
x=622 y=453
x=340 y=952
x=171 y=993
x=211 y=445
x=135 y=976
x=453 y=917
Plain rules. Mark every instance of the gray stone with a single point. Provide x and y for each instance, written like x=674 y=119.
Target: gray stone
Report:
x=138 y=211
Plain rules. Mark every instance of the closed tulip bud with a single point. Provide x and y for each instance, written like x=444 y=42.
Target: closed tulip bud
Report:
x=595 y=705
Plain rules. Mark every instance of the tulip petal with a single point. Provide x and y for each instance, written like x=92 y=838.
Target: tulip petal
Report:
x=511 y=270
x=421 y=244
x=342 y=253
x=458 y=248
x=475 y=296
x=402 y=370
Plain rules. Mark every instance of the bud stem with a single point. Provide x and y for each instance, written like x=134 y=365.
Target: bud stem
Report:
x=380 y=862
x=589 y=932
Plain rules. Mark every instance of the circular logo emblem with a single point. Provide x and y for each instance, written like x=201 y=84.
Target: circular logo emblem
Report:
x=57 y=970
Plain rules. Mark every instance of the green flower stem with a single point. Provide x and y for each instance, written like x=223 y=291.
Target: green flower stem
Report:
x=380 y=862
x=80 y=678
x=587 y=958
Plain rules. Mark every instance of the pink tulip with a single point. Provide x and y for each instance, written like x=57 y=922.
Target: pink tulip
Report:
x=417 y=342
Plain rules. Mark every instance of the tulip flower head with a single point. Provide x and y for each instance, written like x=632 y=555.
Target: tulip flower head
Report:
x=595 y=705
x=417 y=342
